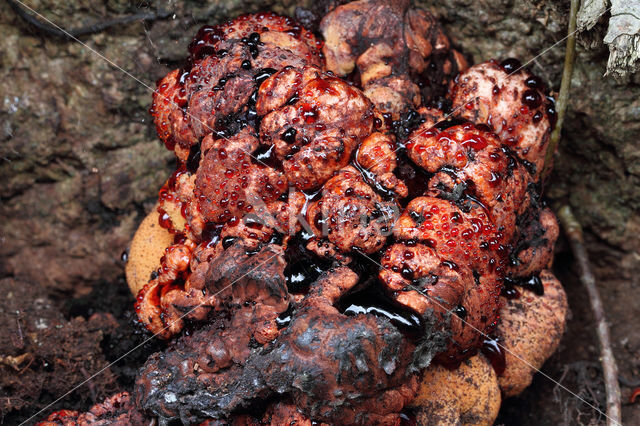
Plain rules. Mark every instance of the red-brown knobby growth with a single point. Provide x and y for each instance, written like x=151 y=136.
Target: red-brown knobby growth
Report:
x=335 y=243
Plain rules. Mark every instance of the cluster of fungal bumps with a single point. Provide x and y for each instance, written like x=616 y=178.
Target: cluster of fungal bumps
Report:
x=377 y=159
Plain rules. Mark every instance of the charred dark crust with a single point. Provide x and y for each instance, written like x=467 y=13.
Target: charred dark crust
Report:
x=329 y=364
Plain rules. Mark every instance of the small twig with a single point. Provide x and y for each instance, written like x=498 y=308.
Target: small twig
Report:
x=573 y=230
x=92 y=389
x=563 y=96
x=17 y=338
x=19 y=363
x=92 y=28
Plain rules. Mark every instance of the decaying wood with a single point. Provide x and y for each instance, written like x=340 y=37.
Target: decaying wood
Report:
x=623 y=33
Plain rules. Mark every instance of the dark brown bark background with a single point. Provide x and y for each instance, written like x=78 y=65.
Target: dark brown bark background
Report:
x=80 y=166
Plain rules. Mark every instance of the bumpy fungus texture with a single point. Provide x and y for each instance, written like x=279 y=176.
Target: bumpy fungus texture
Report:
x=118 y=409
x=336 y=236
x=471 y=392
x=334 y=367
x=510 y=100
x=401 y=55
x=535 y=340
